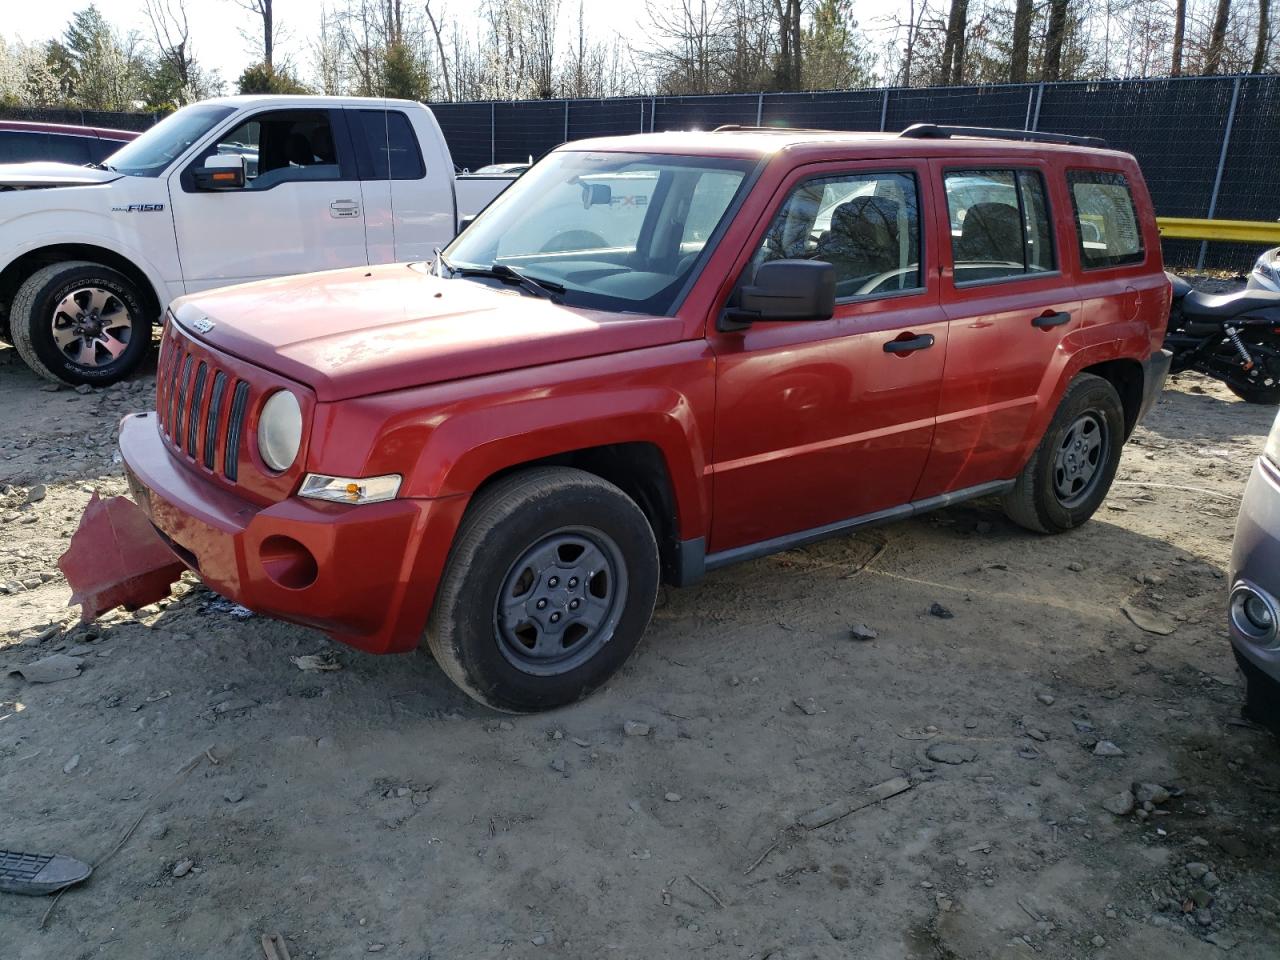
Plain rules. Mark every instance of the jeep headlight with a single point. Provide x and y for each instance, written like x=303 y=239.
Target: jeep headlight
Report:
x=319 y=486
x=1272 y=451
x=280 y=430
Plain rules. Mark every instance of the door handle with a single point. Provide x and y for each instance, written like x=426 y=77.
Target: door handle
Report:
x=1049 y=319
x=910 y=345
x=342 y=209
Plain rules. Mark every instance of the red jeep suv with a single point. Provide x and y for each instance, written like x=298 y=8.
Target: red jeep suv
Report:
x=650 y=357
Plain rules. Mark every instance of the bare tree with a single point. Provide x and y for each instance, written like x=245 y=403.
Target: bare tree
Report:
x=262 y=10
x=1217 y=38
x=444 y=60
x=1020 y=50
x=1053 y=39
x=1264 y=34
x=1179 y=34
x=789 y=68
x=172 y=36
x=953 y=48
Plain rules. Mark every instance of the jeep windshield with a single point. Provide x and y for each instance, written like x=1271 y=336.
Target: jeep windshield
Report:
x=151 y=154
x=616 y=231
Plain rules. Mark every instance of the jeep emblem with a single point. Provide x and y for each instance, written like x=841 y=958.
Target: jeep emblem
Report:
x=202 y=324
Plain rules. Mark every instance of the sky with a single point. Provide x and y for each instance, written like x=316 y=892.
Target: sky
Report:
x=216 y=24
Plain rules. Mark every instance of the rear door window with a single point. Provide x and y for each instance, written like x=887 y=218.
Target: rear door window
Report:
x=1000 y=224
x=1107 y=228
x=393 y=152
x=866 y=225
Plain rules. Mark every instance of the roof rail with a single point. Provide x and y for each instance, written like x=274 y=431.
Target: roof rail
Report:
x=748 y=128
x=932 y=131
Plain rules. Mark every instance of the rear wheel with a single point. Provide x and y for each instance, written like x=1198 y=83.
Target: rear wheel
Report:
x=1071 y=471
x=80 y=322
x=548 y=588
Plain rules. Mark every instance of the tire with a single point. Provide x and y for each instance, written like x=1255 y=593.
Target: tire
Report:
x=1266 y=396
x=518 y=540
x=1053 y=494
x=58 y=298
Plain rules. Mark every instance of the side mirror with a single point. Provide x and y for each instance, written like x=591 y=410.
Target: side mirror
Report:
x=786 y=290
x=222 y=171
x=464 y=222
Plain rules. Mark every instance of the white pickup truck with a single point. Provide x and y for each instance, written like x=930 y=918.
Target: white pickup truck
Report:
x=224 y=191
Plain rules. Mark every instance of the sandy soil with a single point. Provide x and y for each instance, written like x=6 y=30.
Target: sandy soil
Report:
x=374 y=809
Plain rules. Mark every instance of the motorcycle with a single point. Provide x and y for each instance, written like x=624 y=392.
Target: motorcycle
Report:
x=1232 y=337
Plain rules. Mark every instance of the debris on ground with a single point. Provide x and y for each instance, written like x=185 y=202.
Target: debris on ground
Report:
x=50 y=669
x=322 y=662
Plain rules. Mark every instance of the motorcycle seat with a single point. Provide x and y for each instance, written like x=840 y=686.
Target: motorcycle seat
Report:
x=1225 y=306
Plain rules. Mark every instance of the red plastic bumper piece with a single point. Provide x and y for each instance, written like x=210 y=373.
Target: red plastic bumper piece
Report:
x=116 y=559
x=366 y=575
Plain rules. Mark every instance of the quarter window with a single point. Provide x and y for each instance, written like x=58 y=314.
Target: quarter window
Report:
x=867 y=226
x=1106 y=222
x=1000 y=224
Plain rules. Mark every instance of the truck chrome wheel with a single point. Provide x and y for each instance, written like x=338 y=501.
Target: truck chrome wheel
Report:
x=1083 y=450
x=561 y=601
x=92 y=326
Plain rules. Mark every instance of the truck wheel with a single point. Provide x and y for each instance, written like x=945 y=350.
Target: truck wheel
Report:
x=550 y=583
x=1070 y=473
x=80 y=322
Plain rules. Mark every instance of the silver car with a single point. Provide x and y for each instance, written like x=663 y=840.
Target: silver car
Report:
x=1254 y=611
x=1266 y=271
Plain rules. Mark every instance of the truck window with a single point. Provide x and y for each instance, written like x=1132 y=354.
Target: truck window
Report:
x=283 y=146
x=393 y=146
x=865 y=225
x=1000 y=224
x=151 y=153
x=1106 y=222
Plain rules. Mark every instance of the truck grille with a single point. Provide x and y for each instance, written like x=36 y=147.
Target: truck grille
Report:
x=202 y=408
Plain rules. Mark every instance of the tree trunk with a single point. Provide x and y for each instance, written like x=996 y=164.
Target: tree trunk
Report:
x=1264 y=28
x=444 y=60
x=1179 y=32
x=267 y=34
x=1053 y=38
x=953 y=48
x=1217 y=38
x=1021 y=41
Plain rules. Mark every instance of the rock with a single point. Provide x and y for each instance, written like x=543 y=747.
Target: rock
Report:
x=1075 y=566
x=158 y=831
x=183 y=867
x=1150 y=793
x=951 y=753
x=1196 y=870
x=35 y=494
x=1105 y=748
x=506 y=726
x=557 y=765
x=1200 y=897
x=1032 y=729
x=1223 y=941
x=1046 y=698
x=1149 y=620
x=71 y=764
x=234 y=795
x=49 y=669
x=1121 y=804
x=861 y=631
x=1210 y=881
x=377 y=947
x=1140 y=648
x=233 y=705
x=671 y=797
x=1082 y=726
x=421 y=797
x=84 y=389
x=808 y=707
x=1204 y=917
x=634 y=728
x=538 y=941
x=938 y=610
x=1099 y=941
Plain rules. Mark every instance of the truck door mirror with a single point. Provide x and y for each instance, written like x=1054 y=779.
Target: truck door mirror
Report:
x=222 y=171
x=596 y=195
x=785 y=290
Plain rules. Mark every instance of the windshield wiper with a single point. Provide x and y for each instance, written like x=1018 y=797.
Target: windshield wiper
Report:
x=535 y=286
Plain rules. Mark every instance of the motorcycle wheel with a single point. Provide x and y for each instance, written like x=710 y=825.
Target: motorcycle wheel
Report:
x=1260 y=385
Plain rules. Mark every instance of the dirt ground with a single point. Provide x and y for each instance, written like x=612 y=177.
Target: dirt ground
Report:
x=375 y=809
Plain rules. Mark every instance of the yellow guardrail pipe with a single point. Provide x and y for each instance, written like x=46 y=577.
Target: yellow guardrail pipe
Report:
x=1237 y=231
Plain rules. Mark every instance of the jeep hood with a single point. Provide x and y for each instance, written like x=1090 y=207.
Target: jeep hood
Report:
x=367 y=330
x=30 y=176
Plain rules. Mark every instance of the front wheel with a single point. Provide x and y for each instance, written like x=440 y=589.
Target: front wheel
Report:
x=80 y=322
x=1071 y=471
x=549 y=586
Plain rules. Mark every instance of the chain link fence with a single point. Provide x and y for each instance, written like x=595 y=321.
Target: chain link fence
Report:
x=1209 y=146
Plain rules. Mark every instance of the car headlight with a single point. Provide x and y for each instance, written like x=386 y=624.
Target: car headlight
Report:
x=280 y=430
x=1272 y=451
x=318 y=486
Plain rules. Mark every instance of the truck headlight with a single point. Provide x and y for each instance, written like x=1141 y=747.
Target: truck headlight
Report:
x=280 y=430
x=318 y=486
x=1272 y=451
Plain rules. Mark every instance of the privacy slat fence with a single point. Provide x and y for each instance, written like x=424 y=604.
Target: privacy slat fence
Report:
x=1209 y=146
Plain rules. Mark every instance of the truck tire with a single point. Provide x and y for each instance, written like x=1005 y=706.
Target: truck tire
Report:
x=548 y=588
x=80 y=322
x=1070 y=472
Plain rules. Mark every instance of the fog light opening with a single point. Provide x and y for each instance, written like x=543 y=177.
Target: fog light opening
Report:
x=1254 y=614
x=288 y=563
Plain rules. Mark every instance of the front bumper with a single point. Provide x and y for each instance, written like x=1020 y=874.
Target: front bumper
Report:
x=1155 y=370
x=1255 y=562
x=366 y=575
